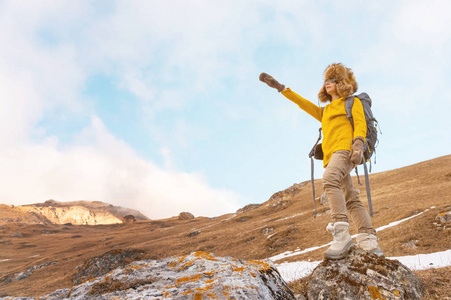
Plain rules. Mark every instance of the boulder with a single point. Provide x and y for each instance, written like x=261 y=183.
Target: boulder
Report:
x=22 y=275
x=287 y=193
x=363 y=275
x=444 y=219
x=323 y=200
x=247 y=208
x=129 y=219
x=200 y=275
x=194 y=233
x=186 y=216
x=102 y=264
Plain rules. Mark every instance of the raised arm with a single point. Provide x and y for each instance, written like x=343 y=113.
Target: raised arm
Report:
x=309 y=107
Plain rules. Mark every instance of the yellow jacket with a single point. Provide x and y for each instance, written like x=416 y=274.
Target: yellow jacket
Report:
x=337 y=129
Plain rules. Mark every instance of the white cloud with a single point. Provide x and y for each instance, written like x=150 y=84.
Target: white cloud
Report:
x=194 y=42
x=37 y=77
x=98 y=166
x=409 y=61
x=425 y=23
x=33 y=77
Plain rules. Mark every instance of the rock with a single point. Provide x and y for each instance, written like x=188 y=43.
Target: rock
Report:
x=128 y=219
x=248 y=240
x=50 y=202
x=104 y=263
x=243 y=219
x=323 y=200
x=194 y=233
x=444 y=219
x=22 y=275
x=267 y=230
x=287 y=193
x=200 y=275
x=280 y=204
x=412 y=244
x=363 y=276
x=248 y=208
x=186 y=216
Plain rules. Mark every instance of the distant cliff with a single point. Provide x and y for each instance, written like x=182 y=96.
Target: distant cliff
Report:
x=75 y=212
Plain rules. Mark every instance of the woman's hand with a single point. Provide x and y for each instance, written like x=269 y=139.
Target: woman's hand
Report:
x=269 y=80
x=356 y=153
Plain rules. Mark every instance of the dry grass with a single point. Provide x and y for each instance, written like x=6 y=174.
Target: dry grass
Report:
x=272 y=228
x=299 y=287
x=437 y=283
x=112 y=285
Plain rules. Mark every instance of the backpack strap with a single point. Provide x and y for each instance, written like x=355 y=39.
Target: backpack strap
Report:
x=349 y=102
x=348 y=105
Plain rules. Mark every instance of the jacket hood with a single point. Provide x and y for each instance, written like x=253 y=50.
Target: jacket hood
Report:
x=346 y=83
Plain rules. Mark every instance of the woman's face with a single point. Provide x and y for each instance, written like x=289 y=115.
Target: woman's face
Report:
x=331 y=86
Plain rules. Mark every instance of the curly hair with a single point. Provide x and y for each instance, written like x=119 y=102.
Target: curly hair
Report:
x=346 y=84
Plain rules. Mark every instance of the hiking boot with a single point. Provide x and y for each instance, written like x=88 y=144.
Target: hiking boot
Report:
x=368 y=242
x=342 y=243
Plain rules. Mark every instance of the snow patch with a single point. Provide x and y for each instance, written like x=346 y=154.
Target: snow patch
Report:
x=297 y=270
x=298 y=252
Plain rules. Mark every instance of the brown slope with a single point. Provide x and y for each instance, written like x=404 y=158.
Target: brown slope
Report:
x=277 y=225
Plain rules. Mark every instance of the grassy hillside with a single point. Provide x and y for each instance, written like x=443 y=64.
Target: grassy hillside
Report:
x=280 y=224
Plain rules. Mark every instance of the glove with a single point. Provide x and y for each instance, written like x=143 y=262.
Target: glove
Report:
x=356 y=153
x=269 y=80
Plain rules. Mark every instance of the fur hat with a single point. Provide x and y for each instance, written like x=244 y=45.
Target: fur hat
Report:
x=346 y=84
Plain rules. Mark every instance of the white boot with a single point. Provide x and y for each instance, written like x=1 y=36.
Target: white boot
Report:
x=342 y=243
x=368 y=242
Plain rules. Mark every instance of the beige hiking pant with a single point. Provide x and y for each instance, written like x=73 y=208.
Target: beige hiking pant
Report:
x=342 y=195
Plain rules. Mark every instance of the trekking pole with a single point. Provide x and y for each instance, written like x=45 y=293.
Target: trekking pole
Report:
x=367 y=185
x=313 y=186
x=311 y=155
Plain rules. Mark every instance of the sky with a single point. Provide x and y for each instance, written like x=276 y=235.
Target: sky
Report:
x=157 y=106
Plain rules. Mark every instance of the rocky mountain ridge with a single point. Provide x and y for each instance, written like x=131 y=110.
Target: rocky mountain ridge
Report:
x=75 y=212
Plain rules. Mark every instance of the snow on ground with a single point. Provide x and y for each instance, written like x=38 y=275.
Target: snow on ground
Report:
x=296 y=270
x=299 y=251
x=426 y=261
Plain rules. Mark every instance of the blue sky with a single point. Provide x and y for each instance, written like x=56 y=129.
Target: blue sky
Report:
x=156 y=105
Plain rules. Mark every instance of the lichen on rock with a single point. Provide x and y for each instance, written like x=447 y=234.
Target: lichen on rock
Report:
x=200 y=275
x=363 y=275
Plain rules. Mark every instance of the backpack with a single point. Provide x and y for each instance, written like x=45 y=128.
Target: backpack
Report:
x=369 y=147
x=371 y=140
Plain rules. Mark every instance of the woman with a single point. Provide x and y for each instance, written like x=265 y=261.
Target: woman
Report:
x=342 y=147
